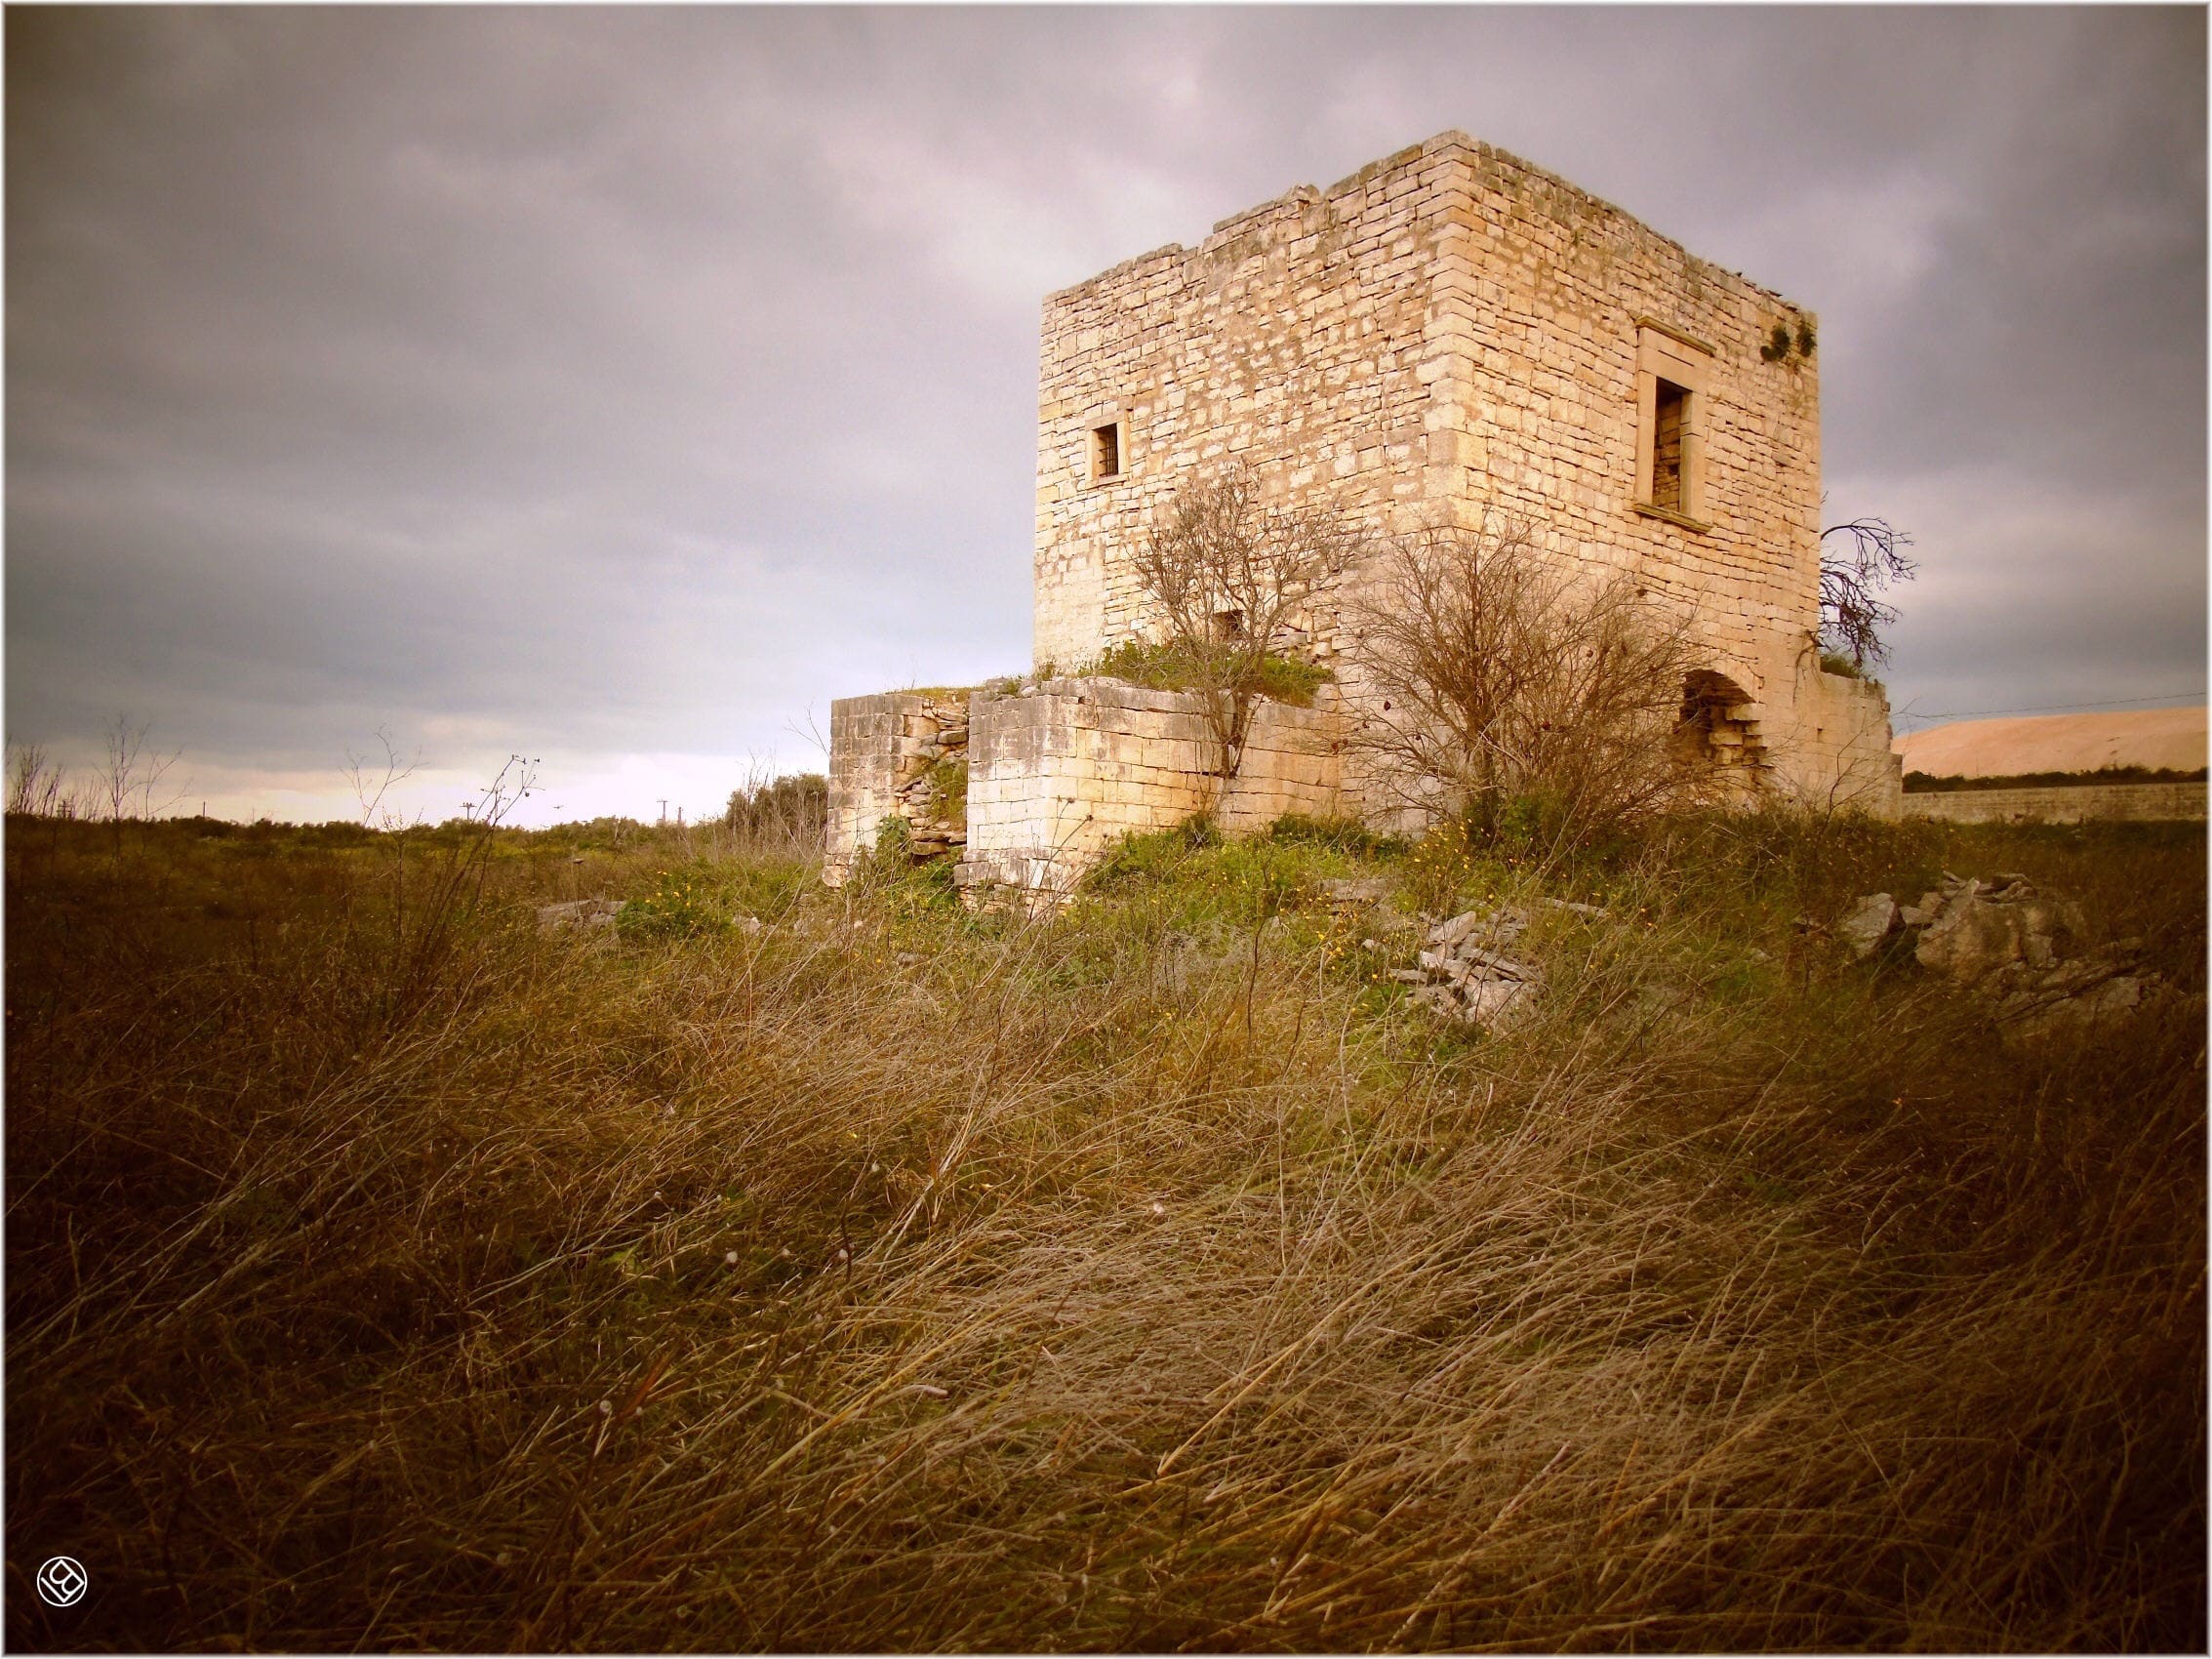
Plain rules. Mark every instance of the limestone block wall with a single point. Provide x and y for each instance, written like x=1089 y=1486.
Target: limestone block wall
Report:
x=1838 y=751
x=884 y=761
x=1447 y=333
x=2072 y=805
x=1293 y=337
x=1059 y=772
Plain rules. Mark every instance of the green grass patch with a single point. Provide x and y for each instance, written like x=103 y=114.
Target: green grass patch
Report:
x=1170 y=666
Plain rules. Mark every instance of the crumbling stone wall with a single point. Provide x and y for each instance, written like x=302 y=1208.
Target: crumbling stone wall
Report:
x=898 y=755
x=1841 y=754
x=1447 y=332
x=1057 y=771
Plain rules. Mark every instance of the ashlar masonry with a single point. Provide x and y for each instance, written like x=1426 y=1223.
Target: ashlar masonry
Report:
x=1446 y=334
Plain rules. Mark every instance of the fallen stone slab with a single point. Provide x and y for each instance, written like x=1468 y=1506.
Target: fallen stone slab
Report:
x=1489 y=964
x=1871 y=924
x=1353 y=893
x=1498 y=1004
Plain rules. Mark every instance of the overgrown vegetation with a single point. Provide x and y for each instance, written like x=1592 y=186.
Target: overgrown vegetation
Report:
x=790 y=810
x=1509 y=686
x=1167 y=665
x=948 y=789
x=1142 y=1277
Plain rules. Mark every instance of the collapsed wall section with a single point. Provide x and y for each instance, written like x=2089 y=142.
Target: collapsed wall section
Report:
x=1062 y=770
x=900 y=754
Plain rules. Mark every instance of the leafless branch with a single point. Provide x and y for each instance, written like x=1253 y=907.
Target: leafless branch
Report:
x=1869 y=558
x=370 y=790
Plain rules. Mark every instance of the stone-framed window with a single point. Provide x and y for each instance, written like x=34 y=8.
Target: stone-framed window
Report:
x=1106 y=451
x=1673 y=372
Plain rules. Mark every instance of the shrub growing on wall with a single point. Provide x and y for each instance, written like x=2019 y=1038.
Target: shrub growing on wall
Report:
x=1228 y=570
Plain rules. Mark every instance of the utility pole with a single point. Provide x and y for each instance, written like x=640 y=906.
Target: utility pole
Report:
x=663 y=811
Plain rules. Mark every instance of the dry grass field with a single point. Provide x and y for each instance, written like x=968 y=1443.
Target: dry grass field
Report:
x=383 y=1273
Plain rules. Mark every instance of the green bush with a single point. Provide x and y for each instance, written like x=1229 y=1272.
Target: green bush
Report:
x=1344 y=834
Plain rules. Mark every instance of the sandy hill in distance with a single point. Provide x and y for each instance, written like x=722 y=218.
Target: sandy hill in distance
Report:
x=2153 y=738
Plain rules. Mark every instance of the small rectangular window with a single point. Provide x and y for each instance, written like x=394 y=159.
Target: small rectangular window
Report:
x=1672 y=372
x=1671 y=407
x=1106 y=451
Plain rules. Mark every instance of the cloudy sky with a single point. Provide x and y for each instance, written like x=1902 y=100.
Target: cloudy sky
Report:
x=620 y=385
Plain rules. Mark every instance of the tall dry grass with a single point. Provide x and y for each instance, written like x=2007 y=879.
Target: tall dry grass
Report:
x=1144 y=1277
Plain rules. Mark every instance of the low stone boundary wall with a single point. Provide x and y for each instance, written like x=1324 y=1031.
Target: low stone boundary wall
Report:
x=2146 y=801
x=1059 y=772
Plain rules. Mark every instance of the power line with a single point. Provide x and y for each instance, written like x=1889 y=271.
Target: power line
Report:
x=2044 y=708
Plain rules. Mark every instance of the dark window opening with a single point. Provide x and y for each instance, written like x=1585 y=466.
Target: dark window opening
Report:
x=1106 y=451
x=1670 y=416
x=1229 y=627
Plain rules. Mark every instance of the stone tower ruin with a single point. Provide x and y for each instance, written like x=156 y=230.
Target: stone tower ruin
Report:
x=1447 y=334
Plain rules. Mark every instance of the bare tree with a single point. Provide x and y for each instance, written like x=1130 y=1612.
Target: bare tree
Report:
x=1869 y=558
x=370 y=788
x=1229 y=570
x=131 y=773
x=1494 y=676
x=39 y=787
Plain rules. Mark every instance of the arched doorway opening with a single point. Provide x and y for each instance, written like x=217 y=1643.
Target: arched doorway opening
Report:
x=1716 y=731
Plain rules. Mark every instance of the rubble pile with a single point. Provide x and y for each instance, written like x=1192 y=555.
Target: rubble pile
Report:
x=1468 y=972
x=2021 y=951
x=585 y=914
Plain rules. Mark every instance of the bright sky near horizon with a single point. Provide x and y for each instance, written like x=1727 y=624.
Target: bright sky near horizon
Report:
x=618 y=386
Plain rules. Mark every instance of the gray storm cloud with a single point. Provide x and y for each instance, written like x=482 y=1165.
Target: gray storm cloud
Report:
x=624 y=384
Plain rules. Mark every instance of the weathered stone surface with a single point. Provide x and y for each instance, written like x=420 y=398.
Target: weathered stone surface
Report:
x=1489 y=964
x=884 y=756
x=2021 y=951
x=1447 y=334
x=1871 y=923
x=1977 y=935
x=1447 y=331
x=1499 y=1004
x=1056 y=779
x=2102 y=1006
x=1463 y=978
